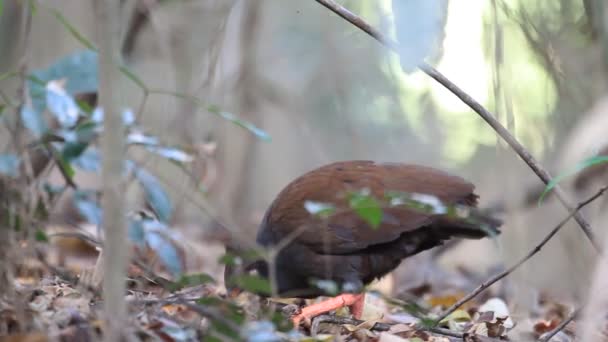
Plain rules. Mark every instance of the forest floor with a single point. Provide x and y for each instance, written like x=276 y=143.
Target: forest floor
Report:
x=48 y=304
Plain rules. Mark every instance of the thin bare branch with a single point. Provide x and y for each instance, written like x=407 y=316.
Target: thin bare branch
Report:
x=533 y=252
x=523 y=153
x=115 y=252
x=547 y=336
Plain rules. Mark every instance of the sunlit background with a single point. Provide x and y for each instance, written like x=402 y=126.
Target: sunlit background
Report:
x=324 y=91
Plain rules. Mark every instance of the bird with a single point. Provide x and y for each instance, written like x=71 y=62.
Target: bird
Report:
x=420 y=208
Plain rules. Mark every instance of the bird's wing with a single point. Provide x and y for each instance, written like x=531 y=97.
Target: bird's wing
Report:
x=346 y=232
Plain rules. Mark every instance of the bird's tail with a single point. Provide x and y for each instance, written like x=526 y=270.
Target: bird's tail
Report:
x=474 y=224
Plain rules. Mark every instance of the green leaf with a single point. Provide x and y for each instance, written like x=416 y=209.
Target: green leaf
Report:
x=253 y=283
x=67 y=168
x=41 y=236
x=187 y=280
x=367 y=208
x=86 y=131
x=72 y=150
x=228 y=259
x=229 y=310
x=576 y=169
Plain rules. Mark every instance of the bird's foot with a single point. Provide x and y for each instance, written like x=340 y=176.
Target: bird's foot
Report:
x=354 y=301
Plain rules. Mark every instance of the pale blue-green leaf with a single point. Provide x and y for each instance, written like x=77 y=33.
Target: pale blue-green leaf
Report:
x=68 y=135
x=171 y=153
x=141 y=139
x=166 y=251
x=128 y=118
x=419 y=26
x=261 y=331
x=9 y=165
x=53 y=188
x=245 y=124
x=178 y=333
x=97 y=115
x=136 y=232
x=62 y=106
x=89 y=209
x=89 y=161
x=34 y=121
x=79 y=69
x=155 y=194
x=329 y=287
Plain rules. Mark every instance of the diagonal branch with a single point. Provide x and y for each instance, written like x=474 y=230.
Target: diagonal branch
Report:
x=527 y=257
x=476 y=106
x=549 y=335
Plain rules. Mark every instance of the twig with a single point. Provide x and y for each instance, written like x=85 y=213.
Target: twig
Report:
x=66 y=276
x=211 y=313
x=443 y=331
x=535 y=250
x=476 y=106
x=547 y=336
x=379 y=326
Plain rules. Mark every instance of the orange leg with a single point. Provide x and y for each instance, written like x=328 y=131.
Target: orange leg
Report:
x=354 y=301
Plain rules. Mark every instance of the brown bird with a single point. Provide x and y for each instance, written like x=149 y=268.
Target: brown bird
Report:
x=421 y=207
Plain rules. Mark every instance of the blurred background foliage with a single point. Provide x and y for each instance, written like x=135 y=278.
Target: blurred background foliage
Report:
x=324 y=91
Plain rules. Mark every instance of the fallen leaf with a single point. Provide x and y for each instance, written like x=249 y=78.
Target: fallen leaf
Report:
x=457 y=316
x=388 y=337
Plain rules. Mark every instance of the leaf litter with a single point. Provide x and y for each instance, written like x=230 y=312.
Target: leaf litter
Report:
x=46 y=307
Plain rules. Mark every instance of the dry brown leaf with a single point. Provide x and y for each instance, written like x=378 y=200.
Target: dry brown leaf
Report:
x=401 y=328
x=446 y=301
x=388 y=337
x=33 y=337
